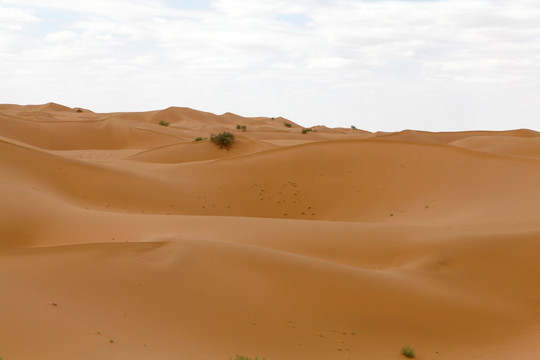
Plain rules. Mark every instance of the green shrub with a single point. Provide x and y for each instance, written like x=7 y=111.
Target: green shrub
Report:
x=287 y=124
x=79 y=110
x=241 y=127
x=223 y=140
x=163 y=123
x=306 y=130
x=353 y=127
x=408 y=352
x=240 y=357
x=198 y=138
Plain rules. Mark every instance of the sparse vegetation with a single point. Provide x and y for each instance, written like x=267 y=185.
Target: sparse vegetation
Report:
x=79 y=111
x=54 y=304
x=306 y=130
x=198 y=138
x=240 y=357
x=353 y=127
x=241 y=127
x=287 y=124
x=163 y=123
x=223 y=140
x=408 y=352
x=111 y=341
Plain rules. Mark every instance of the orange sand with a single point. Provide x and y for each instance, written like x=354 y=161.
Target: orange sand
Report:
x=335 y=244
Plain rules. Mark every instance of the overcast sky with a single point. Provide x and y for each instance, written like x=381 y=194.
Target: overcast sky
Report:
x=376 y=64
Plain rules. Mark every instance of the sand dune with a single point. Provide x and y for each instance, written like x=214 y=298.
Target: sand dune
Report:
x=124 y=239
x=508 y=145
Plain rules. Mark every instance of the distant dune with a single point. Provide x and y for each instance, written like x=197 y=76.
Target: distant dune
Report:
x=121 y=238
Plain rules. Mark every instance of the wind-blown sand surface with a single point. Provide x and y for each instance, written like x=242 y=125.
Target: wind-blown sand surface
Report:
x=124 y=239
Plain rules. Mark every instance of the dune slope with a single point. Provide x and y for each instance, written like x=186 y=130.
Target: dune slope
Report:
x=121 y=238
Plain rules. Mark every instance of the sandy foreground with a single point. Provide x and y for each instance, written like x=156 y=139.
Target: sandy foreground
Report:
x=124 y=239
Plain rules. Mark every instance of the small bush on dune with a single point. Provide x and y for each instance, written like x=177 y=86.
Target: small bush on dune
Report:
x=408 y=352
x=79 y=110
x=240 y=357
x=199 y=138
x=163 y=123
x=223 y=140
x=287 y=125
x=241 y=127
x=306 y=130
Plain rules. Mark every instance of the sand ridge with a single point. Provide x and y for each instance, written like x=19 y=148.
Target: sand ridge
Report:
x=121 y=238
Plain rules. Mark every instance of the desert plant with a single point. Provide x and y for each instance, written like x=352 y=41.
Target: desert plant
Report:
x=198 y=138
x=287 y=124
x=79 y=110
x=241 y=127
x=223 y=140
x=408 y=352
x=306 y=130
x=163 y=123
x=353 y=127
x=111 y=341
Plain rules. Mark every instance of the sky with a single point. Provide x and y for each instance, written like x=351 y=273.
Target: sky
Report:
x=380 y=65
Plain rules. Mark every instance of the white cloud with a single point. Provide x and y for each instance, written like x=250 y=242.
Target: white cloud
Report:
x=12 y=20
x=60 y=36
x=394 y=64
x=15 y=19
x=327 y=63
x=267 y=8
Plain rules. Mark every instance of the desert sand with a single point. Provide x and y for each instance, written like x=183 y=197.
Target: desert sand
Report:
x=124 y=239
